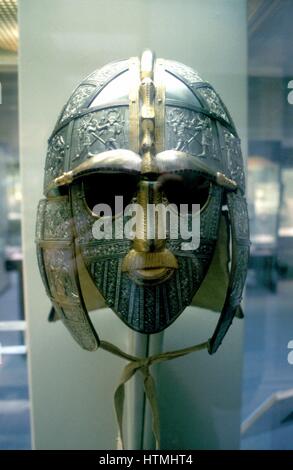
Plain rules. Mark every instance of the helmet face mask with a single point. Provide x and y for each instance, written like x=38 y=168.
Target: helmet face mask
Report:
x=148 y=283
x=134 y=135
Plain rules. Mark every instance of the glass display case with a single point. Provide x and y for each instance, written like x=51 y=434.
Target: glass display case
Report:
x=267 y=379
x=242 y=396
x=263 y=193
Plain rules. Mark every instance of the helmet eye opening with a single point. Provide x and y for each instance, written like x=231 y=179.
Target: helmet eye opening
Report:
x=112 y=190
x=188 y=188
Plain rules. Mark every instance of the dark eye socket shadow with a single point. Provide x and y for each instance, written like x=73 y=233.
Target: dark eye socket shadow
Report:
x=102 y=188
x=185 y=189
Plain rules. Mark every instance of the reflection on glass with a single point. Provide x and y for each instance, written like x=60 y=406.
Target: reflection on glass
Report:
x=263 y=194
x=286 y=220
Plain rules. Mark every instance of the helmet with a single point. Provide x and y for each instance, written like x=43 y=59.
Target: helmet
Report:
x=147 y=136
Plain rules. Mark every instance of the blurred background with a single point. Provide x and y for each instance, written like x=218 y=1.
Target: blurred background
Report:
x=14 y=399
x=267 y=409
x=267 y=386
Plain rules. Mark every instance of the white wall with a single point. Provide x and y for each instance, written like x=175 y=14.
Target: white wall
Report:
x=61 y=41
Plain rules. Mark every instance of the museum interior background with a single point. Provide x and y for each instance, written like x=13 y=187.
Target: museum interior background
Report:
x=267 y=380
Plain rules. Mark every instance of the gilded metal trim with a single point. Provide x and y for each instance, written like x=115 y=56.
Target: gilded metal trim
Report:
x=175 y=161
x=110 y=161
x=55 y=243
x=147 y=113
x=159 y=105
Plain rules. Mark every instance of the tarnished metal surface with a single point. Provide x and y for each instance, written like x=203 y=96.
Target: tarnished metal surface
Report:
x=57 y=263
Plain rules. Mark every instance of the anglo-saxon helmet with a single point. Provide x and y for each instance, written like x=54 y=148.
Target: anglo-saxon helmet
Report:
x=150 y=132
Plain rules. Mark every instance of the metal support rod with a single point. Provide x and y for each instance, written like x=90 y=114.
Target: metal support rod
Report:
x=137 y=415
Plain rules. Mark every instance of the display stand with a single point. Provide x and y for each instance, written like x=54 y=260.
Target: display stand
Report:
x=138 y=420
